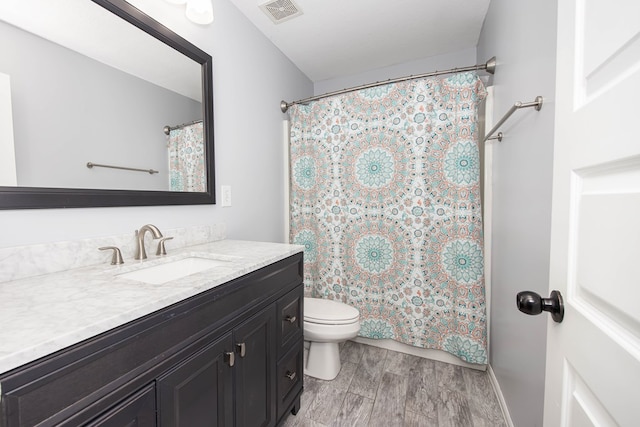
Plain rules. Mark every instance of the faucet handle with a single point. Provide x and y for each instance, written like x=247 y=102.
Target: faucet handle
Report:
x=161 y=248
x=116 y=259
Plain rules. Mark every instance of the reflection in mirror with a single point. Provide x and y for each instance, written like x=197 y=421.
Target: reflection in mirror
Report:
x=100 y=90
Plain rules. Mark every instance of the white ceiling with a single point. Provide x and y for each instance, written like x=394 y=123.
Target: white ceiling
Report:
x=334 y=38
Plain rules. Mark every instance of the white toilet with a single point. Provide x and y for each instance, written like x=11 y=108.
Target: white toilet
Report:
x=326 y=324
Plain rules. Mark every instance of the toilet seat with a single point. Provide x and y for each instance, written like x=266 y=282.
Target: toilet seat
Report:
x=327 y=312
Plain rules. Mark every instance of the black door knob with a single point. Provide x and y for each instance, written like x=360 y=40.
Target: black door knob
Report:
x=531 y=303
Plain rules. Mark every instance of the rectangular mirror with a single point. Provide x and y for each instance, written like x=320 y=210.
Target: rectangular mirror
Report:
x=112 y=109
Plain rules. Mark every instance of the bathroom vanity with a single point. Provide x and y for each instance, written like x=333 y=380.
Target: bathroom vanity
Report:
x=225 y=348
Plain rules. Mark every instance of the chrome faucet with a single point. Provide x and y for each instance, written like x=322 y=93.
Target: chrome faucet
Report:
x=141 y=253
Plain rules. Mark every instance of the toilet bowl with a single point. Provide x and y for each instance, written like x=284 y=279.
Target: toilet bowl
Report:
x=326 y=324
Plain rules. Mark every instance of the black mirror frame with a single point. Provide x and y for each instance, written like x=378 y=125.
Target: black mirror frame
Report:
x=48 y=198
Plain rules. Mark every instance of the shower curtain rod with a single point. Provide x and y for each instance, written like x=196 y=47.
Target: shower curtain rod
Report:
x=167 y=129
x=489 y=67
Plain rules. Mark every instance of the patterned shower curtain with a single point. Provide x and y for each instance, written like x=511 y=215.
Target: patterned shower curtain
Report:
x=385 y=198
x=186 y=159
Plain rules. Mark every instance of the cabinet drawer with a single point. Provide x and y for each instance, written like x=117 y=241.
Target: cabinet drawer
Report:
x=289 y=319
x=138 y=410
x=289 y=376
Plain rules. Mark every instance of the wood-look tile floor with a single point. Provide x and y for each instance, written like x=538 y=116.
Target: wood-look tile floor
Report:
x=378 y=387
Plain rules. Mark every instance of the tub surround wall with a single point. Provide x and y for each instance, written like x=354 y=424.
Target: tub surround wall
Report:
x=33 y=260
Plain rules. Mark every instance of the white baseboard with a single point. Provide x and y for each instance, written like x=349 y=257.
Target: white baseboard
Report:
x=500 y=396
x=427 y=353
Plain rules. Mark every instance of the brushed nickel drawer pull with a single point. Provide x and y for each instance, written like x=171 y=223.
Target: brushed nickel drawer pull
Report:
x=241 y=349
x=231 y=358
x=290 y=375
x=290 y=319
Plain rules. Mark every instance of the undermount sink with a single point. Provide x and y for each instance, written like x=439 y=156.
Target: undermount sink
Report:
x=162 y=273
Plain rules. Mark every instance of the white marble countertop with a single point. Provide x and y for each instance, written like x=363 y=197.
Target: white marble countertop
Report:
x=43 y=314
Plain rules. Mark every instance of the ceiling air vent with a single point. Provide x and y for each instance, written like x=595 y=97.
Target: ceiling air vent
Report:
x=280 y=10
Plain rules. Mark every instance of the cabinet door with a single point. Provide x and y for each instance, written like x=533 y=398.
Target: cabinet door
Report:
x=199 y=391
x=255 y=370
x=137 y=411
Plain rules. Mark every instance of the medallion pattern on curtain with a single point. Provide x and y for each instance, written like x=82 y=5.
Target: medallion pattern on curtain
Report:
x=186 y=159
x=385 y=198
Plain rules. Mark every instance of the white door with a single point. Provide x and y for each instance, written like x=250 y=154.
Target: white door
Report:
x=593 y=356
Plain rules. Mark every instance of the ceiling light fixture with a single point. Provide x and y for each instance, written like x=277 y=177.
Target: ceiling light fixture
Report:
x=197 y=11
x=200 y=11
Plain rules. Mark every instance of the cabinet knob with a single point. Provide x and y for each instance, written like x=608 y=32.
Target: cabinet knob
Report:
x=290 y=375
x=230 y=358
x=290 y=319
x=241 y=349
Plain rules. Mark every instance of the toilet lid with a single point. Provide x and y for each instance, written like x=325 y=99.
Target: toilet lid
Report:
x=317 y=310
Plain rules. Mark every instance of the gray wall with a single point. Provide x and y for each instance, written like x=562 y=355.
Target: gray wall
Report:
x=69 y=109
x=250 y=78
x=522 y=35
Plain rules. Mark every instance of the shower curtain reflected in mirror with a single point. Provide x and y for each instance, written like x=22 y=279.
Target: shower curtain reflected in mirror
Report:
x=186 y=159
x=385 y=197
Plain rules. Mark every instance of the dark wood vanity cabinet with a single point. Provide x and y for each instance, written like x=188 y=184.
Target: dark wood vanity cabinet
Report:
x=230 y=356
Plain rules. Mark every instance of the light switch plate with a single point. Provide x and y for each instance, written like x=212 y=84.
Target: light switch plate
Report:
x=226 y=195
